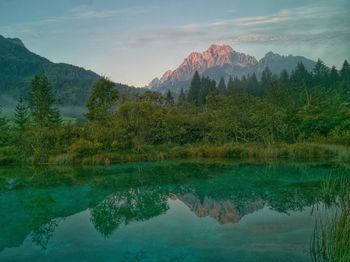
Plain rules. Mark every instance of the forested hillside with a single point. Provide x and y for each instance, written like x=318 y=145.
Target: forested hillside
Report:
x=18 y=66
x=244 y=117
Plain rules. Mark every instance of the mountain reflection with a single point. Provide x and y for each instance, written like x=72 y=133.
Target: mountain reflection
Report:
x=121 y=196
x=224 y=211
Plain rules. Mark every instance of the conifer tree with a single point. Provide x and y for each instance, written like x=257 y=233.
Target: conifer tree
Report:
x=42 y=104
x=3 y=129
x=320 y=73
x=169 y=98
x=266 y=78
x=195 y=93
x=182 y=97
x=333 y=76
x=222 y=86
x=300 y=76
x=345 y=72
x=21 y=118
x=284 y=76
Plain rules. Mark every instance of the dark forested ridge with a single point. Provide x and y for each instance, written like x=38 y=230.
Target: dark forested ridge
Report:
x=18 y=66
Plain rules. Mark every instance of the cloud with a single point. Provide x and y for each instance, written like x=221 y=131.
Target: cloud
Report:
x=323 y=22
x=81 y=13
x=325 y=37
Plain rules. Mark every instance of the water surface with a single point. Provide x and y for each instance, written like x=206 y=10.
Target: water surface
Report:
x=162 y=211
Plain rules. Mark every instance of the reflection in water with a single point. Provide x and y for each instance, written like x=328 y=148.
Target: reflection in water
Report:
x=129 y=194
x=125 y=207
x=224 y=211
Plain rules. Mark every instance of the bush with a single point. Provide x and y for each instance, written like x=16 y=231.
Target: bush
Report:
x=84 y=148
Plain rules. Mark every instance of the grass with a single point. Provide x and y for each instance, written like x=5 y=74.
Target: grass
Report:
x=292 y=152
x=331 y=238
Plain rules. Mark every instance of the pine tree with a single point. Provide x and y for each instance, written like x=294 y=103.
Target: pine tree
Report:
x=195 y=93
x=169 y=98
x=21 y=118
x=222 y=87
x=42 y=104
x=230 y=85
x=300 y=76
x=253 y=85
x=333 y=76
x=345 y=72
x=320 y=73
x=284 y=76
x=182 y=97
x=5 y=136
x=266 y=78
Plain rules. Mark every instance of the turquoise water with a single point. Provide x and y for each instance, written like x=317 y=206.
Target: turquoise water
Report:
x=162 y=211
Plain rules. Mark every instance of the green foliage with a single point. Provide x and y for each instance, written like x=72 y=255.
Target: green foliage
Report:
x=21 y=118
x=5 y=135
x=222 y=87
x=303 y=108
x=82 y=148
x=101 y=103
x=194 y=94
x=42 y=104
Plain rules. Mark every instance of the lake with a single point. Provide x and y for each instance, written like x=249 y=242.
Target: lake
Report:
x=163 y=211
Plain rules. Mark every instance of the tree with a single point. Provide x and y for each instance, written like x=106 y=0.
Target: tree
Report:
x=252 y=85
x=208 y=87
x=21 y=118
x=300 y=76
x=333 y=76
x=345 y=73
x=266 y=78
x=182 y=97
x=170 y=98
x=195 y=93
x=222 y=86
x=101 y=104
x=44 y=115
x=4 y=130
x=42 y=104
x=320 y=73
x=233 y=85
x=284 y=76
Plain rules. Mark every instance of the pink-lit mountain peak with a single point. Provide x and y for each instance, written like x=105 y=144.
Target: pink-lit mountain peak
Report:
x=215 y=56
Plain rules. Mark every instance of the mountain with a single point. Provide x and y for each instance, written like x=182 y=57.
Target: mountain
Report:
x=18 y=66
x=222 y=61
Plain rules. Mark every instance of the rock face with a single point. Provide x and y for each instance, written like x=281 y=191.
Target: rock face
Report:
x=214 y=56
x=222 y=61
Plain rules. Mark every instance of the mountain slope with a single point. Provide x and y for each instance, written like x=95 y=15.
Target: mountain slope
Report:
x=222 y=61
x=18 y=66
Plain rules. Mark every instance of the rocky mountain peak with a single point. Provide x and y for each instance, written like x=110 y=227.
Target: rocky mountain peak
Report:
x=215 y=56
x=166 y=75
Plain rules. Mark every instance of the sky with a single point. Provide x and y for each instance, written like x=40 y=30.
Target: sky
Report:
x=133 y=41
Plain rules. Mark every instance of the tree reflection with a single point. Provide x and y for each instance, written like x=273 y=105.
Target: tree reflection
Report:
x=42 y=235
x=130 y=193
x=42 y=216
x=124 y=207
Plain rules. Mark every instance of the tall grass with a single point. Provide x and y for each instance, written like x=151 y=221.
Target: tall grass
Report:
x=331 y=238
